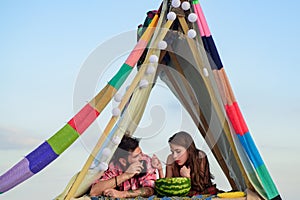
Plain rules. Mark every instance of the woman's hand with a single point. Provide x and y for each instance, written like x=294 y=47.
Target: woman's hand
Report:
x=185 y=172
x=156 y=164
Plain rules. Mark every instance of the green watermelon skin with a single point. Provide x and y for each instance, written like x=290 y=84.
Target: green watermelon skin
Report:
x=175 y=186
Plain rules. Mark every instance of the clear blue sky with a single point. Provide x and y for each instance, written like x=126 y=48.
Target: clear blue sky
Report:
x=44 y=45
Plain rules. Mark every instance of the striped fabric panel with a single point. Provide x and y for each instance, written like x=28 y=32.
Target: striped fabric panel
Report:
x=63 y=139
x=84 y=118
x=250 y=147
x=41 y=157
x=17 y=174
x=121 y=76
x=267 y=181
x=241 y=118
x=201 y=17
x=252 y=152
x=234 y=119
x=235 y=115
x=136 y=53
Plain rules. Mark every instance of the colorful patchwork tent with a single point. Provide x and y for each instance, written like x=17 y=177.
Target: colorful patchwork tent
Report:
x=175 y=44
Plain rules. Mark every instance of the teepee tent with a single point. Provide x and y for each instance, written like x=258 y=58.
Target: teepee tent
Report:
x=175 y=45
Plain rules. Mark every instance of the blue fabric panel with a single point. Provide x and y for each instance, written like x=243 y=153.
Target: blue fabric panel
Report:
x=214 y=52
x=251 y=149
x=41 y=157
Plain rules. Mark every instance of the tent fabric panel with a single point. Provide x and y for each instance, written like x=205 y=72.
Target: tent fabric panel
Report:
x=15 y=175
x=267 y=181
x=63 y=139
x=241 y=118
x=136 y=53
x=41 y=157
x=84 y=118
x=201 y=17
x=251 y=149
x=233 y=117
x=121 y=76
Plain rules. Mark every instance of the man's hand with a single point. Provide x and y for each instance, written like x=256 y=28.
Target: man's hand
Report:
x=134 y=168
x=114 y=193
x=185 y=172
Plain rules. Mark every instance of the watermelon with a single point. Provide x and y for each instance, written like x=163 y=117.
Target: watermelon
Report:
x=175 y=186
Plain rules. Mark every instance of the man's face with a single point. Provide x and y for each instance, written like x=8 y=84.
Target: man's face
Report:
x=135 y=156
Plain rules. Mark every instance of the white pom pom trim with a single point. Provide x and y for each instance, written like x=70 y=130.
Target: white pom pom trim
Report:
x=162 y=45
x=153 y=59
x=171 y=16
x=176 y=3
x=143 y=83
x=205 y=72
x=192 y=33
x=116 y=112
x=192 y=17
x=106 y=152
x=116 y=140
x=150 y=70
x=185 y=5
x=103 y=166
x=118 y=97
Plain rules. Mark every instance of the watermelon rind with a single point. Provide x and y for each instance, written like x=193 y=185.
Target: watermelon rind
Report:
x=175 y=186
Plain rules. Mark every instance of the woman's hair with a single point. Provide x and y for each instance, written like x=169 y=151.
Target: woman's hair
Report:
x=197 y=161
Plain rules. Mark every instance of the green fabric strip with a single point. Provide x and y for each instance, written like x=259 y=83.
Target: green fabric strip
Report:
x=63 y=139
x=267 y=182
x=121 y=76
x=255 y=182
x=195 y=2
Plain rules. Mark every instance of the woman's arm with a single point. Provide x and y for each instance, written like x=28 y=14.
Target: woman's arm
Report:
x=156 y=164
x=169 y=168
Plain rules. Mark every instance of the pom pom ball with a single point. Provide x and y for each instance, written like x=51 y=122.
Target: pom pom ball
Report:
x=118 y=97
x=171 y=16
x=176 y=3
x=192 y=17
x=205 y=72
x=106 y=152
x=143 y=83
x=116 y=140
x=192 y=33
x=150 y=69
x=185 y=5
x=162 y=45
x=153 y=59
x=103 y=166
x=116 y=112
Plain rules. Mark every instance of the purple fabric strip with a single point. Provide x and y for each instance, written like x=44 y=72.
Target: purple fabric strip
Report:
x=17 y=174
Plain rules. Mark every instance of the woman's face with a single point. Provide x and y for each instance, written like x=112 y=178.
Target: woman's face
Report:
x=179 y=153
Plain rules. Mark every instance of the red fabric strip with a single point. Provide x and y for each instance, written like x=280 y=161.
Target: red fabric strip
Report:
x=241 y=118
x=84 y=118
x=136 y=53
x=234 y=119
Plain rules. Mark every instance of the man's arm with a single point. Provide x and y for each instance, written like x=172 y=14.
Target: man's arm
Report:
x=143 y=192
x=98 y=188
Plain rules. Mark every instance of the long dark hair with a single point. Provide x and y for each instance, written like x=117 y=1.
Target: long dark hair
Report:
x=197 y=161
